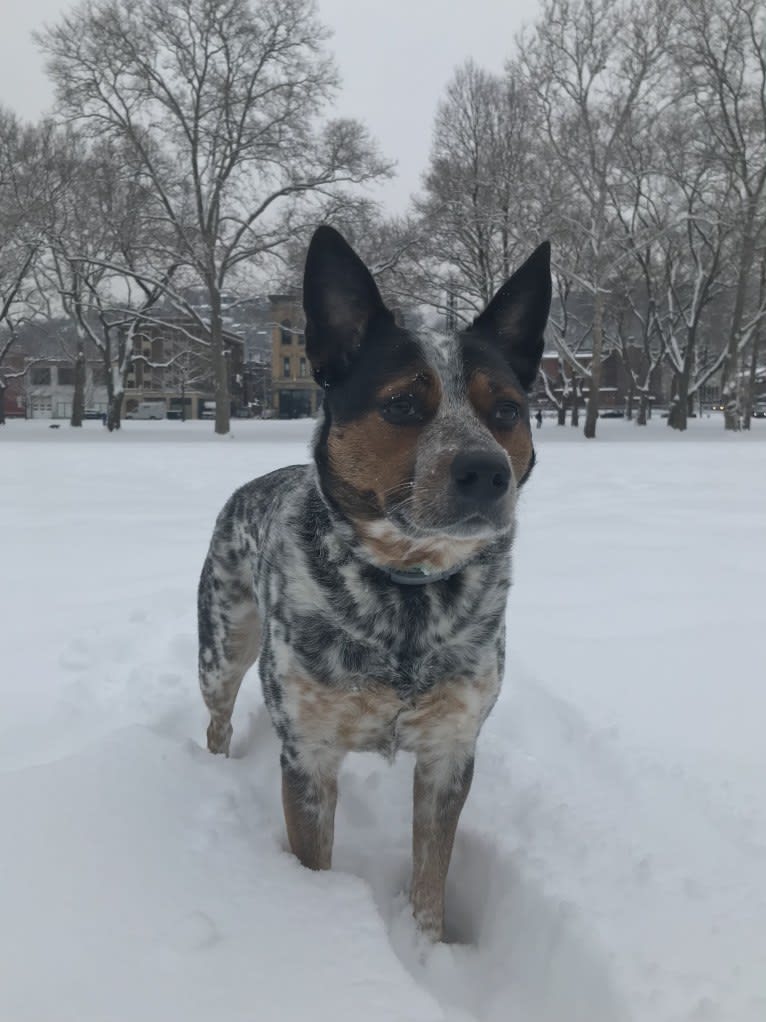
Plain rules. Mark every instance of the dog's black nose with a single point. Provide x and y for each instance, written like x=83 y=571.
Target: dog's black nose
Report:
x=481 y=476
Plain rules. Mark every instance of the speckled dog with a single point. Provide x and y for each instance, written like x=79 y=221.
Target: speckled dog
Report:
x=373 y=582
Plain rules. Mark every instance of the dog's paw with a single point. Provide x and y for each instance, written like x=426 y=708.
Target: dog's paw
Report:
x=219 y=738
x=429 y=926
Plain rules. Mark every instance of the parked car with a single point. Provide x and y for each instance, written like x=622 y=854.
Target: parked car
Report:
x=91 y=413
x=151 y=409
x=759 y=411
x=612 y=413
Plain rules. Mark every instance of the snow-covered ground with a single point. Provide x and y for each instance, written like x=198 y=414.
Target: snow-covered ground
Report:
x=611 y=860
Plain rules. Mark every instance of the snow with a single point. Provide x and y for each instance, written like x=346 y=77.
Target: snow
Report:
x=609 y=864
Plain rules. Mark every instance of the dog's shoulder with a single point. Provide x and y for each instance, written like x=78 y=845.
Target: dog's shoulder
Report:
x=267 y=493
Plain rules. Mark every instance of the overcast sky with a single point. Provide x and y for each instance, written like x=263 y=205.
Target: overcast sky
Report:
x=395 y=57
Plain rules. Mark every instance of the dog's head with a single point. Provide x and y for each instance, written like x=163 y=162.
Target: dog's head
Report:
x=425 y=440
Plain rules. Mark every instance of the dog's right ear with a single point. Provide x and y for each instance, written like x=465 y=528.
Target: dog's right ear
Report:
x=341 y=301
x=515 y=318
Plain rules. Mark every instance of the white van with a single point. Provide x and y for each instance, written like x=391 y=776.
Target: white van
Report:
x=150 y=409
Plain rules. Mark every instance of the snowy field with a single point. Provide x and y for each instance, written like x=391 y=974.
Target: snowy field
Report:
x=611 y=860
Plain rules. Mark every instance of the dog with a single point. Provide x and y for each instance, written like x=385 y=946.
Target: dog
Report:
x=371 y=585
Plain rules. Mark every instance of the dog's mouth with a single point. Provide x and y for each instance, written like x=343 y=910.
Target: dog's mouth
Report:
x=454 y=522
x=478 y=524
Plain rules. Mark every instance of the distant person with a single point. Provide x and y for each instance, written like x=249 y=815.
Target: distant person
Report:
x=539 y=418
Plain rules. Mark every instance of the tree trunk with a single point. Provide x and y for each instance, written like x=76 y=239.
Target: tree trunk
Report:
x=575 y=420
x=220 y=365
x=591 y=411
x=747 y=411
x=682 y=403
x=183 y=398
x=561 y=413
x=629 y=403
x=2 y=405
x=679 y=404
x=78 y=398
x=754 y=353
x=114 y=413
x=730 y=385
x=113 y=402
x=642 y=409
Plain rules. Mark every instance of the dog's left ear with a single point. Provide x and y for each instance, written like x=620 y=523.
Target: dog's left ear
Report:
x=515 y=318
x=341 y=302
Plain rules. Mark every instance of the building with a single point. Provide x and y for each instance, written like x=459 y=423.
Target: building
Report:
x=295 y=395
x=171 y=364
x=48 y=391
x=13 y=395
x=616 y=381
x=256 y=397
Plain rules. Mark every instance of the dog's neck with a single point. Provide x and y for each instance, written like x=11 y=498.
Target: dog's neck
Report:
x=412 y=561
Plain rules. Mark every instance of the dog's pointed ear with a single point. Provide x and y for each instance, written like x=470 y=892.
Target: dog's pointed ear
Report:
x=515 y=318
x=341 y=301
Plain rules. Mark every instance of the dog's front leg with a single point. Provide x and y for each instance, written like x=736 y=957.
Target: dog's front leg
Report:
x=309 y=796
x=440 y=790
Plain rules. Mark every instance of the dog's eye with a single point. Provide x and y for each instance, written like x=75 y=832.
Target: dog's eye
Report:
x=402 y=410
x=506 y=414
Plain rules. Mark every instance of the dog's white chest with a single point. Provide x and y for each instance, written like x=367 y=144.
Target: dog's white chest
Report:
x=373 y=717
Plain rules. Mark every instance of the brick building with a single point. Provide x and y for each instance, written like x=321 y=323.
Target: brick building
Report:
x=171 y=365
x=295 y=395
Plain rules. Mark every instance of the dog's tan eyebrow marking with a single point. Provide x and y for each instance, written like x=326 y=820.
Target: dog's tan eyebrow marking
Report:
x=419 y=381
x=484 y=391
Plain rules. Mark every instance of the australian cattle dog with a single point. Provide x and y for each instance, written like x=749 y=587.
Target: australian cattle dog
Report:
x=372 y=583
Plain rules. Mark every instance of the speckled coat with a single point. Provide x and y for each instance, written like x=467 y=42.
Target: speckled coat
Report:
x=374 y=600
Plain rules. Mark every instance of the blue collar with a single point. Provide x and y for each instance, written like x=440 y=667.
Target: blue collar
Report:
x=420 y=576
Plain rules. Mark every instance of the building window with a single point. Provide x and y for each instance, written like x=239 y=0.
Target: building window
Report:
x=41 y=377
x=66 y=376
x=286 y=367
x=302 y=368
x=286 y=331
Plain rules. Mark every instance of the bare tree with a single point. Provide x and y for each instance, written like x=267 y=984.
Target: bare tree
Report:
x=72 y=233
x=721 y=54
x=219 y=100
x=673 y=205
x=637 y=198
x=593 y=67
x=390 y=246
x=755 y=348
x=474 y=221
x=104 y=238
x=189 y=368
x=693 y=263
x=22 y=217
x=570 y=326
